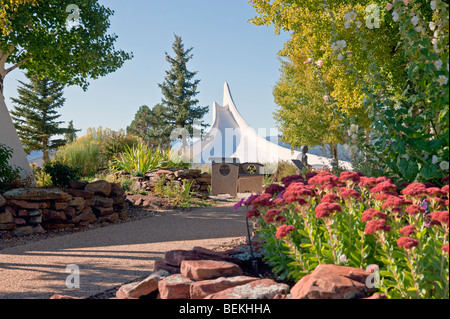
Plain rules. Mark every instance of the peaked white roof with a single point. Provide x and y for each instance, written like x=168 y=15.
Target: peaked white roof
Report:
x=231 y=136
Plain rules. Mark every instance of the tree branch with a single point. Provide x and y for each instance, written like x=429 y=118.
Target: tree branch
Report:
x=18 y=65
x=5 y=55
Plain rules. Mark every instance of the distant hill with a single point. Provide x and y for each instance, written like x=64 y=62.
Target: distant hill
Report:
x=35 y=157
x=342 y=152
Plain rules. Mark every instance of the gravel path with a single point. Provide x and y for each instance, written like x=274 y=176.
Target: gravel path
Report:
x=110 y=256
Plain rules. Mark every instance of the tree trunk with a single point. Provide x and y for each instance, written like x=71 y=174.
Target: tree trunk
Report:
x=9 y=137
x=334 y=155
x=334 y=149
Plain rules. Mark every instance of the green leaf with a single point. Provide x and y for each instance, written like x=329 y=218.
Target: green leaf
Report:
x=386 y=273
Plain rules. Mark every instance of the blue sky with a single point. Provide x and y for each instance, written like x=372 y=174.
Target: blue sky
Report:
x=226 y=48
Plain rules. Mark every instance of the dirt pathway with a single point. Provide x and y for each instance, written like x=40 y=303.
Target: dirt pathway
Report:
x=110 y=256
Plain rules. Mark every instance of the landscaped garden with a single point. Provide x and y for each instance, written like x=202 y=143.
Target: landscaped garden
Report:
x=370 y=75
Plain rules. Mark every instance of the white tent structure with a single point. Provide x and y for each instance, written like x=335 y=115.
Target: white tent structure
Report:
x=9 y=138
x=231 y=136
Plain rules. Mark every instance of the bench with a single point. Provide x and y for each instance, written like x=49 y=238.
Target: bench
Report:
x=231 y=177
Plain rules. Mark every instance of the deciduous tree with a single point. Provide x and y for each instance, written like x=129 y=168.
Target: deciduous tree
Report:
x=36 y=36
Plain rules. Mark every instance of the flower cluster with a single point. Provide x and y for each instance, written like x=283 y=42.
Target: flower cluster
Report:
x=324 y=210
x=284 y=230
x=272 y=215
x=329 y=216
x=377 y=225
x=407 y=242
x=408 y=230
x=371 y=214
x=274 y=189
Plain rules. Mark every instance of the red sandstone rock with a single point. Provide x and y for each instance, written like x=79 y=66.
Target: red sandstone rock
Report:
x=103 y=202
x=6 y=218
x=78 y=185
x=258 y=289
x=80 y=193
x=53 y=215
x=102 y=211
x=19 y=221
x=162 y=265
x=331 y=282
x=138 y=289
x=99 y=188
x=208 y=254
x=209 y=269
x=109 y=218
x=23 y=204
x=282 y=296
x=201 y=289
x=77 y=202
x=175 y=287
x=37 y=194
x=62 y=297
x=86 y=215
x=2 y=201
x=376 y=297
x=60 y=205
x=10 y=209
x=175 y=257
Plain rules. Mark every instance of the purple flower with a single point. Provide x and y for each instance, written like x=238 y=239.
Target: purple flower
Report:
x=249 y=201
x=238 y=204
x=424 y=205
x=281 y=194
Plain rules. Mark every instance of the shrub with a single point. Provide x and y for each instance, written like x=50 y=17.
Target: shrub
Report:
x=284 y=169
x=84 y=153
x=141 y=159
x=61 y=174
x=9 y=175
x=357 y=221
x=95 y=150
x=42 y=179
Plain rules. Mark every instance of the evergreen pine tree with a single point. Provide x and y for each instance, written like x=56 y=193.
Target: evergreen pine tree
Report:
x=151 y=126
x=179 y=106
x=35 y=116
x=72 y=134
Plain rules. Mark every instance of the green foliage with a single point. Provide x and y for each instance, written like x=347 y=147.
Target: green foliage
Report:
x=35 y=115
x=9 y=175
x=71 y=135
x=141 y=159
x=61 y=174
x=95 y=150
x=180 y=195
x=284 y=169
x=178 y=109
x=175 y=116
x=312 y=81
x=409 y=138
x=390 y=81
x=346 y=235
x=42 y=179
x=85 y=153
x=38 y=39
x=151 y=126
